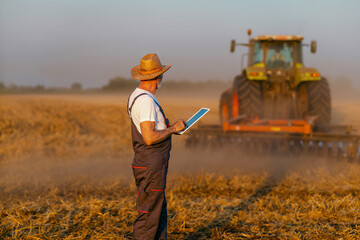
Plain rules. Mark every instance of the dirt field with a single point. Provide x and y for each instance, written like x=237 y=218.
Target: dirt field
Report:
x=65 y=174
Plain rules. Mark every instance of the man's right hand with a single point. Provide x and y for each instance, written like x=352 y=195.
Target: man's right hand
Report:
x=179 y=125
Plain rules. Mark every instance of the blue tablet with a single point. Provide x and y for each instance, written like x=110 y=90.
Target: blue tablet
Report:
x=191 y=121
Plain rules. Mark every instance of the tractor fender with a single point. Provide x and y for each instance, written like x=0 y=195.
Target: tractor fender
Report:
x=304 y=74
x=256 y=72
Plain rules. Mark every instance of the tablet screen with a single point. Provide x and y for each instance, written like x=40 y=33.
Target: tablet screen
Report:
x=191 y=121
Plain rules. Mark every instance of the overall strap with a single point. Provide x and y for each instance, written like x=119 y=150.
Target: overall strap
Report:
x=161 y=110
x=132 y=104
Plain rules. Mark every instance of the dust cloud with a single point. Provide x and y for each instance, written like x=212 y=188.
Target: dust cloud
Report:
x=228 y=161
x=342 y=88
x=31 y=177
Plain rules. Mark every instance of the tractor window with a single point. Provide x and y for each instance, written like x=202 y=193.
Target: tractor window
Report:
x=280 y=55
x=258 y=53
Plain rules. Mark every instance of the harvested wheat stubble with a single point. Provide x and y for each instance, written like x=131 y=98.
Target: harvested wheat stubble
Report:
x=65 y=174
x=298 y=205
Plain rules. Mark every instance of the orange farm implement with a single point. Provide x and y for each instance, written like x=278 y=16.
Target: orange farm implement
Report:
x=292 y=137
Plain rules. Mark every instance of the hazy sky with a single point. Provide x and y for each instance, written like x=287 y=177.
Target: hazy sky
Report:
x=58 y=42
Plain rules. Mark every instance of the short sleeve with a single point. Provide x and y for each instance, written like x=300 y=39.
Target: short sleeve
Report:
x=146 y=110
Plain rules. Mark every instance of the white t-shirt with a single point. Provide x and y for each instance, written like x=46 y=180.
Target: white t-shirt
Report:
x=145 y=109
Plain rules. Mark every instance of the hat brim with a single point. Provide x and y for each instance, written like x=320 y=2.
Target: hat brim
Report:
x=137 y=75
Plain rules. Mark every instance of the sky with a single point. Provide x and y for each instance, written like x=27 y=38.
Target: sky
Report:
x=58 y=42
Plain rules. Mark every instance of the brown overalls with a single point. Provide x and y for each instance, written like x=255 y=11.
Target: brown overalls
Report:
x=150 y=166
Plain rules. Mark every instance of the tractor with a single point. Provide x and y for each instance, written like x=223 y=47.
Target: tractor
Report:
x=276 y=84
x=277 y=104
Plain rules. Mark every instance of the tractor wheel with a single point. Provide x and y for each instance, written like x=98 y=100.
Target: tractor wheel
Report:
x=320 y=100
x=314 y=100
x=250 y=97
x=226 y=105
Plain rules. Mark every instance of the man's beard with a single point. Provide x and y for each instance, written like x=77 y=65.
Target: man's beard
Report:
x=158 y=85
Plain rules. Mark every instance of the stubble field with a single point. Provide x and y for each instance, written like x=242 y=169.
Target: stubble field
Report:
x=65 y=173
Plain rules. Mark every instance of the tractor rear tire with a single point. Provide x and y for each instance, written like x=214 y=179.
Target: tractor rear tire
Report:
x=226 y=105
x=250 y=97
x=319 y=99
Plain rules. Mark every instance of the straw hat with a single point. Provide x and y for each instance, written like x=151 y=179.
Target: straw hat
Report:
x=150 y=67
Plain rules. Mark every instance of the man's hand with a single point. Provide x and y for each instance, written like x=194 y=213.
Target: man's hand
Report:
x=179 y=125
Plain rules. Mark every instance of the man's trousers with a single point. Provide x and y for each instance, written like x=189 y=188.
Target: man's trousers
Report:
x=150 y=178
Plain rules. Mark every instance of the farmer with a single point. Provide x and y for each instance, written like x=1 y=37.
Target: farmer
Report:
x=151 y=139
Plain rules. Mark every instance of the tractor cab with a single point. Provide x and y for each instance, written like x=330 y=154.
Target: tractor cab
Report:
x=277 y=58
x=275 y=52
